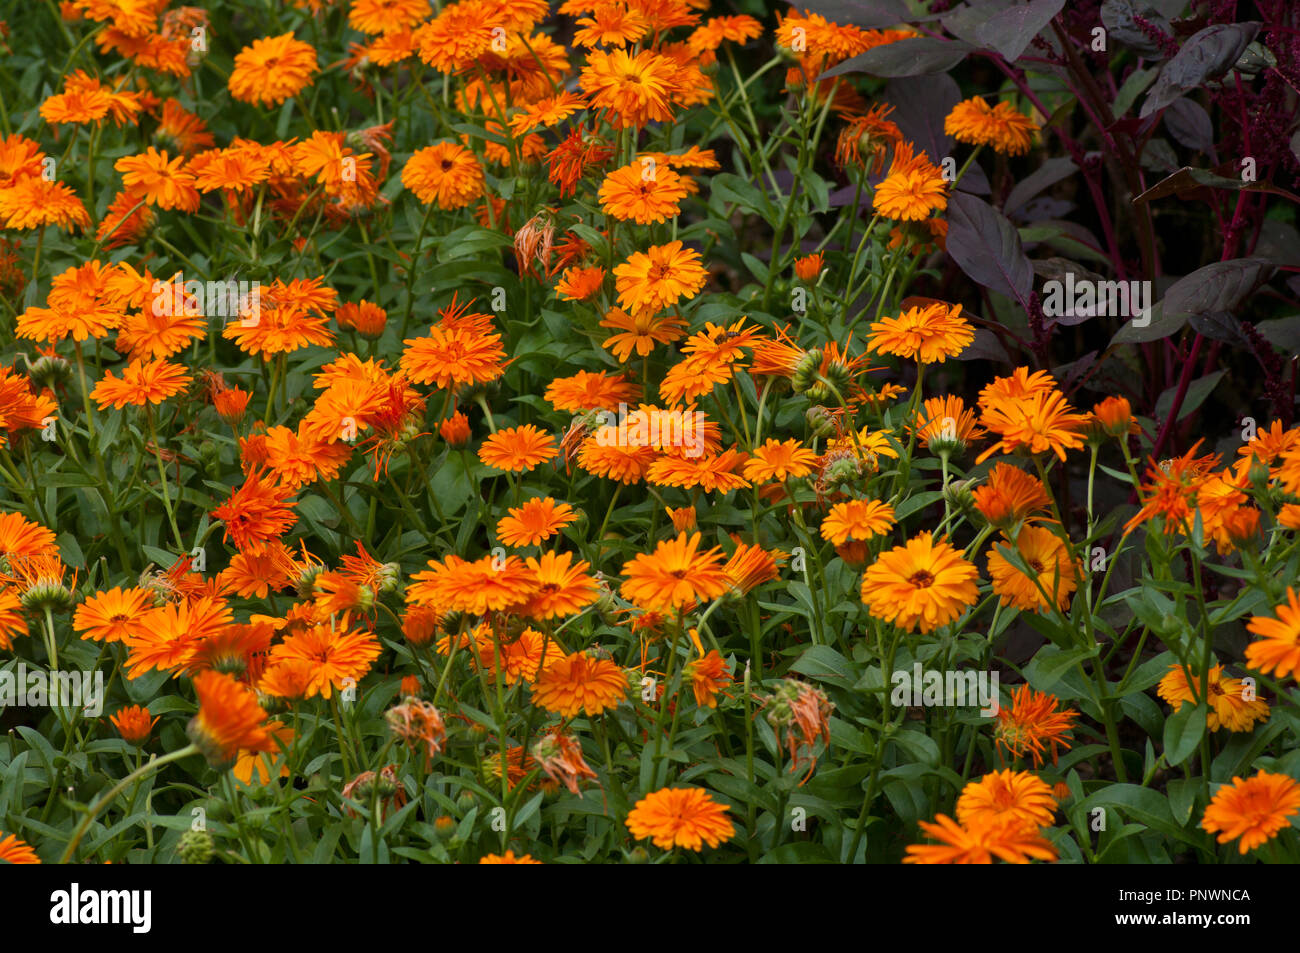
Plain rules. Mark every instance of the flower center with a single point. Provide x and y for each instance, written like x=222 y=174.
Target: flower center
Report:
x=921 y=579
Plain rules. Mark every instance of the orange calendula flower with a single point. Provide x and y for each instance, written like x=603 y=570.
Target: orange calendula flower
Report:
x=809 y=267
x=1172 y=490
x=659 y=277
x=1032 y=724
x=508 y=858
x=386 y=16
x=133 y=724
x=1056 y=571
x=538 y=519
x=485 y=585
x=914 y=188
x=979 y=843
x=588 y=391
x=632 y=89
x=921 y=585
x=113 y=616
x=1278 y=648
x=719 y=30
x=680 y=817
x=563 y=586
x=159 y=180
x=579 y=284
x=707 y=676
x=445 y=174
x=976 y=123
x=779 y=460
x=35 y=202
x=517 y=449
x=580 y=683
x=229 y=720
x=1254 y=810
x=141 y=383
x=1232 y=704
x=947 y=426
x=640 y=332
x=1010 y=496
x=14 y=851
x=418 y=722
x=257 y=512
x=857 y=520
x=1039 y=423
x=455 y=429
x=930 y=334
x=453 y=356
x=642 y=192
x=675 y=576
x=333 y=657
x=270 y=70
x=1007 y=797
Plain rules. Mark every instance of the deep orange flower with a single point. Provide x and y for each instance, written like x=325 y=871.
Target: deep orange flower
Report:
x=517 y=449
x=857 y=520
x=707 y=676
x=580 y=683
x=1254 y=810
x=979 y=843
x=538 y=519
x=680 y=817
x=159 y=180
x=485 y=585
x=675 y=576
x=1032 y=724
x=333 y=657
x=659 y=277
x=133 y=724
x=588 y=391
x=270 y=70
x=445 y=174
x=643 y=193
x=930 y=334
x=14 y=851
x=35 y=202
x=632 y=89
x=257 y=512
x=1006 y=797
x=229 y=720
x=1278 y=648
x=114 y=615
x=142 y=382
x=923 y=584
x=563 y=586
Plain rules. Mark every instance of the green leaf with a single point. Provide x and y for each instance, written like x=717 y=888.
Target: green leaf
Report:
x=1183 y=732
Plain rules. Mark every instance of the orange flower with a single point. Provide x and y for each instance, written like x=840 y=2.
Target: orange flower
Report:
x=1032 y=723
x=978 y=843
x=643 y=193
x=632 y=89
x=588 y=391
x=779 y=460
x=659 y=277
x=133 y=724
x=1038 y=423
x=1254 y=810
x=1172 y=490
x=256 y=513
x=580 y=683
x=14 y=851
x=455 y=429
x=930 y=334
x=517 y=449
x=35 y=202
x=1278 y=648
x=563 y=587
x=159 y=180
x=809 y=267
x=508 y=858
x=680 y=817
x=270 y=70
x=640 y=333
x=229 y=720
x=143 y=382
x=914 y=188
x=707 y=676
x=485 y=585
x=857 y=520
x=334 y=658
x=386 y=16
x=445 y=174
x=1006 y=797
x=1009 y=497
x=675 y=576
x=537 y=520
x=1056 y=572
x=975 y=122
x=1230 y=706
x=579 y=284
x=923 y=584
x=112 y=616
x=453 y=356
